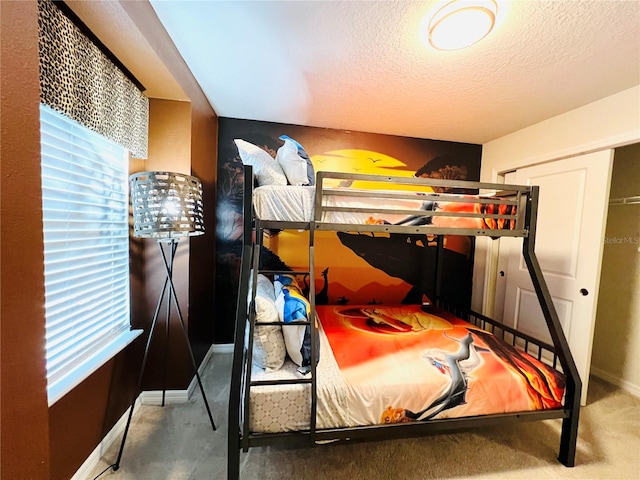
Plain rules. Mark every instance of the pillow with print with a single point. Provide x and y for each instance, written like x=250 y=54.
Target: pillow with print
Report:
x=292 y=306
x=295 y=162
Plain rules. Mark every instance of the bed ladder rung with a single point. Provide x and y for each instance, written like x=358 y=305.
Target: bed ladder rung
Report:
x=296 y=322
x=283 y=272
x=291 y=381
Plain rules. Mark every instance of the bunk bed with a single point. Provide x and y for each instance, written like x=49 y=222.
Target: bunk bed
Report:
x=324 y=408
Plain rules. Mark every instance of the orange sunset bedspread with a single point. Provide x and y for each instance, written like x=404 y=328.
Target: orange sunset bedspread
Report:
x=403 y=364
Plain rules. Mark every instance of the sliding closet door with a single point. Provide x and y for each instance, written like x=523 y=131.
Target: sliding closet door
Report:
x=572 y=212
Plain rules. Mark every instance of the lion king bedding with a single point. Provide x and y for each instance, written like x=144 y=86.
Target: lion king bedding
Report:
x=389 y=364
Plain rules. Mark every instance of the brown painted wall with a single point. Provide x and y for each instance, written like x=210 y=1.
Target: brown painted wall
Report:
x=202 y=261
x=204 y=157
x=169 y=150
x=24 y=429
x=40 y=442
x=79 y=421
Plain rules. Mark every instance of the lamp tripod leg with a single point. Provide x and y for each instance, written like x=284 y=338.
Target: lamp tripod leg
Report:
x=116 y=465
x=172 y=293
x=168 y=317
x=195 y=369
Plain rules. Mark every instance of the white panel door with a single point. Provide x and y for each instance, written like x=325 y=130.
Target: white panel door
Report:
x=574 y=196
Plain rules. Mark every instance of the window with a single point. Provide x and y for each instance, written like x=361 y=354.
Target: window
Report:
x=85 y=206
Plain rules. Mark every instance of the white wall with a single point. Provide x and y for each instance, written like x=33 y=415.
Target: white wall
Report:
x=607 y=123
x=611 y=122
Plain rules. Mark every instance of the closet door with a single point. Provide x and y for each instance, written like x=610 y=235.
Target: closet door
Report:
x=574 y=195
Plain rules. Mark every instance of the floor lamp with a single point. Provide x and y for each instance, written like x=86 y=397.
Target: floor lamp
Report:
x=166 y=207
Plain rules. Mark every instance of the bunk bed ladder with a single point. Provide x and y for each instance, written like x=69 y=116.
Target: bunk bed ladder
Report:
x=255 y=257
x=437 y=279
x=314 y=336
x=310 y=378
x=569 y=435
x=239 y=352
x=236 y=387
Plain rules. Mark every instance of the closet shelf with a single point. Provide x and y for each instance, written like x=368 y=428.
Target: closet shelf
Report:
x=625 y=200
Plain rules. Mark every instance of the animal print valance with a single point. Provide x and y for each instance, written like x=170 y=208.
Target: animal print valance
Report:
x=77 y=79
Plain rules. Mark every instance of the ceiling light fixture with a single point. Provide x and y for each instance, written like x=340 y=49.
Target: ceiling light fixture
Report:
x=461 y=23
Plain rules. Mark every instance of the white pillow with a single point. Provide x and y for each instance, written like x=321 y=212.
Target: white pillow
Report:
x=265 y=167
x=295 y=162
x=269 y=350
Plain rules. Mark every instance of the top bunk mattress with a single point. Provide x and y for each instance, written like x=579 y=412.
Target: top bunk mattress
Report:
x=297 y=204
x=284 y=203
x=382 y=207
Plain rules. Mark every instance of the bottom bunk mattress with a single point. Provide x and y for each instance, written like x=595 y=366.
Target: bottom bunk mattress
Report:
x=389 y=364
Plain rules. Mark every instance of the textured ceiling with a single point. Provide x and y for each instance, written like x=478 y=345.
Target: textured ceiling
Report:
x=360 y=65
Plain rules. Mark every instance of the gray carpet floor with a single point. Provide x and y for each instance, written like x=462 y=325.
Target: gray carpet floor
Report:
x=176 y=442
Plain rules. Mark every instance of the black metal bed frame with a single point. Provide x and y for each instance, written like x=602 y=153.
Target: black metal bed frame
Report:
x=526 y=201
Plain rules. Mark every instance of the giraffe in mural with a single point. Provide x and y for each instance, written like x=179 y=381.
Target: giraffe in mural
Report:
x=305 y=285
x=322 y=297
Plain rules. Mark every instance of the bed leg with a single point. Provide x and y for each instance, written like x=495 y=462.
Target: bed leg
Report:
x=569 y=437
x=233 y=442
x=233 y=464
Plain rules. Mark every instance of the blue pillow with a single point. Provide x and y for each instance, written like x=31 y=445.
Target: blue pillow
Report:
x=292 y=306
x=295 y=162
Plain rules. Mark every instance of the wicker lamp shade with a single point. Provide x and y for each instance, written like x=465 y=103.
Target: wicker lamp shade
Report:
x=166 y=205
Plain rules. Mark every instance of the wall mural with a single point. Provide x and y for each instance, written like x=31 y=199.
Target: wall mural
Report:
x=350 y=268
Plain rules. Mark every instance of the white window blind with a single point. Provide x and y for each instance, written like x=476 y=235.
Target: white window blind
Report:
x=85 y=205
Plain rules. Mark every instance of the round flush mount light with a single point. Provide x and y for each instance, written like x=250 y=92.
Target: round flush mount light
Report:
x=461 y=23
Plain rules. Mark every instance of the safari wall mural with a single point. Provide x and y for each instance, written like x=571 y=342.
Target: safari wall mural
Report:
x=350 y=268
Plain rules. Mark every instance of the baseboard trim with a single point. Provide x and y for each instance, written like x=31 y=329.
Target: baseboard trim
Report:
x=171 y=397
x=223 y=347
x=153 y=397
x=203 y=365
x=618 y=382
